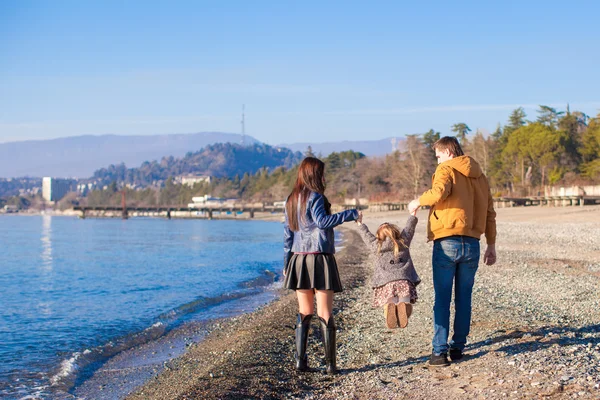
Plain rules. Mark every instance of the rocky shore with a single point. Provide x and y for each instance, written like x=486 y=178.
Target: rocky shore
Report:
x=535 y=331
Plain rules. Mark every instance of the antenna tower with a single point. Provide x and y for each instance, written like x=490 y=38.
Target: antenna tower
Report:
x=243 y=124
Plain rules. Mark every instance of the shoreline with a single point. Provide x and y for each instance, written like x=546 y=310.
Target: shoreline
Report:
x=222 y=365
x=132 y=368
x=52 y=360
x=526 y=340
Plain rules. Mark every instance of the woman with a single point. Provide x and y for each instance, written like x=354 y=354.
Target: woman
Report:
x=309 y=264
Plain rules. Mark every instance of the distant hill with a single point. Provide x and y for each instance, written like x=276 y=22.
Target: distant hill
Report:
x=367 y=147
x=14 y=187
x=80 y=156
x=217 y=160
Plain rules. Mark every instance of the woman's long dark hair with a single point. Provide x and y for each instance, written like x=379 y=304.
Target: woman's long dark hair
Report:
x=310 y=179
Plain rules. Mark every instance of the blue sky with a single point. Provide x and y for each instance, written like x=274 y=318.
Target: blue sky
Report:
x=306 y=71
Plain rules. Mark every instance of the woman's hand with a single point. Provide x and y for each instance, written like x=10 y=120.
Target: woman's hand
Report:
x=359 y=219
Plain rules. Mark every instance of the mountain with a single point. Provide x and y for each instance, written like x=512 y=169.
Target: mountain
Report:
x=372 y=148
x=216 y=160
x=80 y=156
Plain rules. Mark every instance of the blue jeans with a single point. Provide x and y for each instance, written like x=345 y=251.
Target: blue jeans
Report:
x=455 y=261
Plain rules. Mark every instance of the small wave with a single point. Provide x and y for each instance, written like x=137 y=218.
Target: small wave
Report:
x=67 y=373
x=27 y=386
x=265 y=279
x=145 y=289
x=71 y=369
x=247 y=288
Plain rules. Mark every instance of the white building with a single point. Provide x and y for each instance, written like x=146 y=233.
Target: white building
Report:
x=54 y=189
x=208 y=201
x=191 y=180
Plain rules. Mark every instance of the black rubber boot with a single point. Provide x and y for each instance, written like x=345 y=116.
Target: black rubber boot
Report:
x=302 y=328
x=328 y=334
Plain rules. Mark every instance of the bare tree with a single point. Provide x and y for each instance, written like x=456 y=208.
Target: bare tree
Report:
x=480 y=151
x=410 y=167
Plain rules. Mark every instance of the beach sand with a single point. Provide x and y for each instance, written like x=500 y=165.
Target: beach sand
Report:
x=535 y=329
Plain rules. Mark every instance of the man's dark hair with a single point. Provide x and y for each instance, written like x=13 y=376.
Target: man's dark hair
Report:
x=449 y=143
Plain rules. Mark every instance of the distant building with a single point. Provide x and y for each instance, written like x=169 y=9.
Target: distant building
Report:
x=356 y=202
x=191 y=180
x=208 y=201
x=54 y=189
x=85 y=188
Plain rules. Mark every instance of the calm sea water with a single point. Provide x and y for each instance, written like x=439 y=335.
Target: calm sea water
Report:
x=75 y=292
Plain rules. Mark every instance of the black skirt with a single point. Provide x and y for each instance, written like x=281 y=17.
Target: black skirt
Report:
x=313 y=271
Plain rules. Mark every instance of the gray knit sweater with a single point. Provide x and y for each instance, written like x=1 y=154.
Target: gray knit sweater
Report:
x=389 y=268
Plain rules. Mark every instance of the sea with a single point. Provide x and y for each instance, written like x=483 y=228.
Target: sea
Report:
x=82 y=297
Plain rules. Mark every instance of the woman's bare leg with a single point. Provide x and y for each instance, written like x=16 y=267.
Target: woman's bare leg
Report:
x=306 y=298
x=324 y=303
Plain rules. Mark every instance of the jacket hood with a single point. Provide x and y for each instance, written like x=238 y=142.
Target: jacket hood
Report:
x=466 y=166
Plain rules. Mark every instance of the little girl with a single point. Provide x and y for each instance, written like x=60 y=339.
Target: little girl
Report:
x=394 y=279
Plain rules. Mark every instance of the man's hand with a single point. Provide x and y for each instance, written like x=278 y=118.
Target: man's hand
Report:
x=413 y=207
x=489 y=257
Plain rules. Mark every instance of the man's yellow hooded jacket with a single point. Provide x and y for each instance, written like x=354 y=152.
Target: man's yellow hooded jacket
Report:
x=460 y=200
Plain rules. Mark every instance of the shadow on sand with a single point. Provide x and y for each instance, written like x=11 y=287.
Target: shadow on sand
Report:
x=528 y=341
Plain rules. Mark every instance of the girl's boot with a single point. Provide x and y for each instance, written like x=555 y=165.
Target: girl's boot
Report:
x=302 y=328
x=328 y=334
x=404 y=310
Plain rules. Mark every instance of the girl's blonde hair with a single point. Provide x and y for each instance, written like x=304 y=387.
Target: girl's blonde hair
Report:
x=392 y=232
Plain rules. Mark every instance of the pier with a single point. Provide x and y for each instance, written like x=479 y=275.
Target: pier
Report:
x=549 y=201
x=234 y=212
x=245 y=212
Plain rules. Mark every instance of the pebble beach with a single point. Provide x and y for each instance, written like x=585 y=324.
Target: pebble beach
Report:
x=535 y=329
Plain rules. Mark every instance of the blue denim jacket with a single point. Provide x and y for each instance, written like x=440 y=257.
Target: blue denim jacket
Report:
x=315 y=234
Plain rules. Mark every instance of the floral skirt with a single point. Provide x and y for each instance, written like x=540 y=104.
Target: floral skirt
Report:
x=400 y=288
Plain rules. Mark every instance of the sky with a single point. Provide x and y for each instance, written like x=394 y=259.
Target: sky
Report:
x=309 y=71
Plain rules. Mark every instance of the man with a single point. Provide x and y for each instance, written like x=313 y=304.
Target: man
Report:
x=461 y=211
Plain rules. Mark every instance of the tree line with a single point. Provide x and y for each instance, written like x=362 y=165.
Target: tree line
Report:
x=264 y=185
x=519 y=158
x=558 y=147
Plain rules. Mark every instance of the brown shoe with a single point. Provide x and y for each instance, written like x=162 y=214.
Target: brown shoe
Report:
x=391 y=319
x=404 y=311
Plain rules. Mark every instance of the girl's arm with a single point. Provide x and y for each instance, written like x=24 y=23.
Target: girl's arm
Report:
x=288 y=241
x=409 y=230
x=367 y=236
x=324 y=221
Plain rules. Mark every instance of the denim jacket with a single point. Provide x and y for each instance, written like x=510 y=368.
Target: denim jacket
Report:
x=315 y=234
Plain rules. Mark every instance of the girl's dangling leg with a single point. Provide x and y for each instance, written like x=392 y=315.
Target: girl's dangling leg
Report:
x=389 y=313
x=404 y=310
